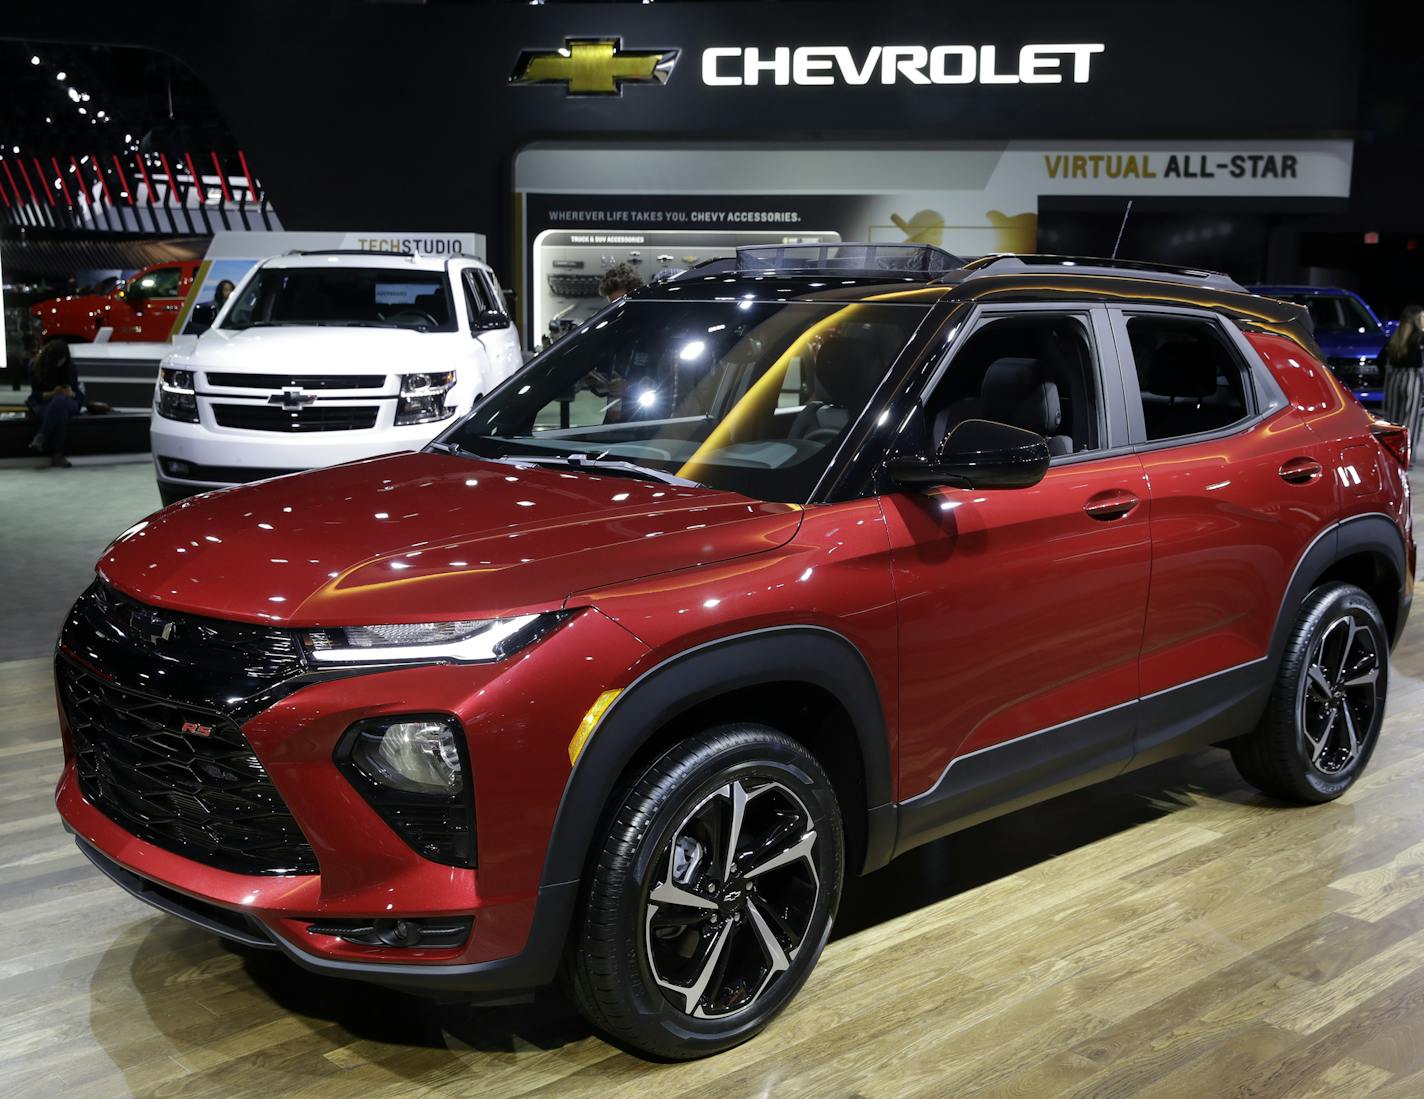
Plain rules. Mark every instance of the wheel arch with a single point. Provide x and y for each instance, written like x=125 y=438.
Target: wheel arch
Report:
x=739 y=677
x=1365 y=550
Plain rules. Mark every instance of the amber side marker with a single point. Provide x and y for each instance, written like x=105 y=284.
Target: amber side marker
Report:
x=590 y=723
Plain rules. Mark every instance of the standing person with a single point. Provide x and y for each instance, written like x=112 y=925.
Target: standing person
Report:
x=55 y=397
x=1404 y=370
x=221 y=294
x=619 y=280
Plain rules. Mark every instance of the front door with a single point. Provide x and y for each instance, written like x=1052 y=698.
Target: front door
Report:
x=160 y=291
x=1021 y=610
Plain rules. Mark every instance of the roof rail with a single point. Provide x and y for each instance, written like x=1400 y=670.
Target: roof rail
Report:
x=1011 y=263
x=846 y=257
x=405 y=252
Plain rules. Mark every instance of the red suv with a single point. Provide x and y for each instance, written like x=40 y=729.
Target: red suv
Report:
x=763 y=576
x=144 y=307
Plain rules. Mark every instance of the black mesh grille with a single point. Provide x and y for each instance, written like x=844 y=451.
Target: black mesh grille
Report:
x=300 y=381
x=260 y=653
x=183 y=779
x=257 y=417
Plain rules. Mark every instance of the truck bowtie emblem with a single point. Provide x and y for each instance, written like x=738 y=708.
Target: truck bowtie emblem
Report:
x=292 y=399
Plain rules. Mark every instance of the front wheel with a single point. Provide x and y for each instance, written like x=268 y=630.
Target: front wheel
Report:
x=1327 y=706
x=712 y=895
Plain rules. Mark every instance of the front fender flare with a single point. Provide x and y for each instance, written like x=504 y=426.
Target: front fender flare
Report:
x=809 y=654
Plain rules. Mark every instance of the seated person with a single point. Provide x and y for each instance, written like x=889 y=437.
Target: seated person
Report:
x=55 y=396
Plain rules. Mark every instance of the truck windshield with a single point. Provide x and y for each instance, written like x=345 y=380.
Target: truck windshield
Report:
x=1336 y=313
x=344 y=297
x=753 y=397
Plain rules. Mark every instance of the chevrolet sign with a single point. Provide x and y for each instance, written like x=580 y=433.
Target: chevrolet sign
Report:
x=735 y=66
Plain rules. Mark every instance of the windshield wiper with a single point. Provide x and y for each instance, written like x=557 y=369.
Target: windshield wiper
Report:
x=599 y=465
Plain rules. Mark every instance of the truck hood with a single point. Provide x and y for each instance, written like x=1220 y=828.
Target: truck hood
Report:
x=1350 y=345
x=311 y=350
x=426 y=537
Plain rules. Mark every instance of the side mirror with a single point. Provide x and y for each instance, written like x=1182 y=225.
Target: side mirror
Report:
x=978 y=454
x=487 y=320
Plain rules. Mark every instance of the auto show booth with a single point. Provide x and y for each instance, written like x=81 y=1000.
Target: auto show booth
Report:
x=580 y=136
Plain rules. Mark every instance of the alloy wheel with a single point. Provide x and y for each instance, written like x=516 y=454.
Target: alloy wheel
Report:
x=1339 y=697
x=734 y=892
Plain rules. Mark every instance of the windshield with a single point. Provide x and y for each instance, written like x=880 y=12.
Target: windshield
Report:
x=753 y=397
x=344 y=296
x=1336 y=312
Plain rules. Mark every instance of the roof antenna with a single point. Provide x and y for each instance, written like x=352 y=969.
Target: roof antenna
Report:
x=1122 y=228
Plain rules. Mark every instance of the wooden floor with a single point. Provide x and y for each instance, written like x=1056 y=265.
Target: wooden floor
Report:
x=1167 y=934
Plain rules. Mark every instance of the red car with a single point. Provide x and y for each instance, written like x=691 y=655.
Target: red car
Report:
x=143 y=307
x=765 y=575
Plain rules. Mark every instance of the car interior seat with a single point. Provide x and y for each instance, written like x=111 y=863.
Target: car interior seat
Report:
x=1014 y=391
x=847 y=371
x=1180 y=391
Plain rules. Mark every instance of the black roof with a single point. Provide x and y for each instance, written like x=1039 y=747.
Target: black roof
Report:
x=1009 y=278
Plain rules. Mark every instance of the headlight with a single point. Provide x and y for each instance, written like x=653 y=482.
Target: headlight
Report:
x=423 y=397
x=177 y=399
x=413 y=770
x=474 y=641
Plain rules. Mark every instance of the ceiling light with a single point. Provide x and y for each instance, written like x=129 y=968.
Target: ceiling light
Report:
x=60 y=75
x=35 y=59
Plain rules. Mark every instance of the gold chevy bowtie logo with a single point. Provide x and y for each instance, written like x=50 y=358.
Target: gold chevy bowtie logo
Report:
x=594 y=66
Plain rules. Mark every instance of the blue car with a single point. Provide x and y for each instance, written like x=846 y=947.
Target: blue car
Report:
x=1348 y=332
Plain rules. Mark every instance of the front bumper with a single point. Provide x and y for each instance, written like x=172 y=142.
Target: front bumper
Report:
x=220 y=456
x=497 y=978
x=517 y=731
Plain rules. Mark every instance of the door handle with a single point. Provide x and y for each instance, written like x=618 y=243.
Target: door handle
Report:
x=1301 y=471
x=1115 y=503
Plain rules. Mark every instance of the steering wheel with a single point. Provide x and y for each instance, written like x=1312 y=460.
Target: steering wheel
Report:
x=418 y=314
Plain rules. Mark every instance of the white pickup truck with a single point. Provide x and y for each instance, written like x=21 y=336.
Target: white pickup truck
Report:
x=325 y=357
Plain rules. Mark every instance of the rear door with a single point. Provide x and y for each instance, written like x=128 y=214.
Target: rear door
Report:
x=1239 y=489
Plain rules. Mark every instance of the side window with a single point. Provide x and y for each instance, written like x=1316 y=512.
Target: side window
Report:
x=1036 y=370
x=162 y=283
x=481 y=294
x=1192 y=380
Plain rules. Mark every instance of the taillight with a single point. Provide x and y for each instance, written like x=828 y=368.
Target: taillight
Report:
x=1394 y=438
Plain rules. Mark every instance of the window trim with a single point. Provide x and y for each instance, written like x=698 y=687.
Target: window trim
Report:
x=1262 y=391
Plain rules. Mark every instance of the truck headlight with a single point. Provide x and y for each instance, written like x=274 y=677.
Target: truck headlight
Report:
x=177 y=398
x=423 y=397
x=473 y=641
x=413 y=770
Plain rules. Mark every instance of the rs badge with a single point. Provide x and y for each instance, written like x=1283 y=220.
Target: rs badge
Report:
x=192 y=728
x=594 y=66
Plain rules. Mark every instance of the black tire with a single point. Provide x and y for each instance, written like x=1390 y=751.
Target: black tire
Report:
x=1282 y=758
x=686 y=797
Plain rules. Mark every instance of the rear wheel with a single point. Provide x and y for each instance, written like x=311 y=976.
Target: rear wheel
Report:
x=1325 y=712
x=712 y=896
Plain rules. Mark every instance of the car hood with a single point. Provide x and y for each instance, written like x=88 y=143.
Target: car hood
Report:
x=70 y=303
x=310 y=350
x=426 y=537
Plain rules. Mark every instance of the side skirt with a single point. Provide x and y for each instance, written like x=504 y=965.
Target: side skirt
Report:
x=1027 y=770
